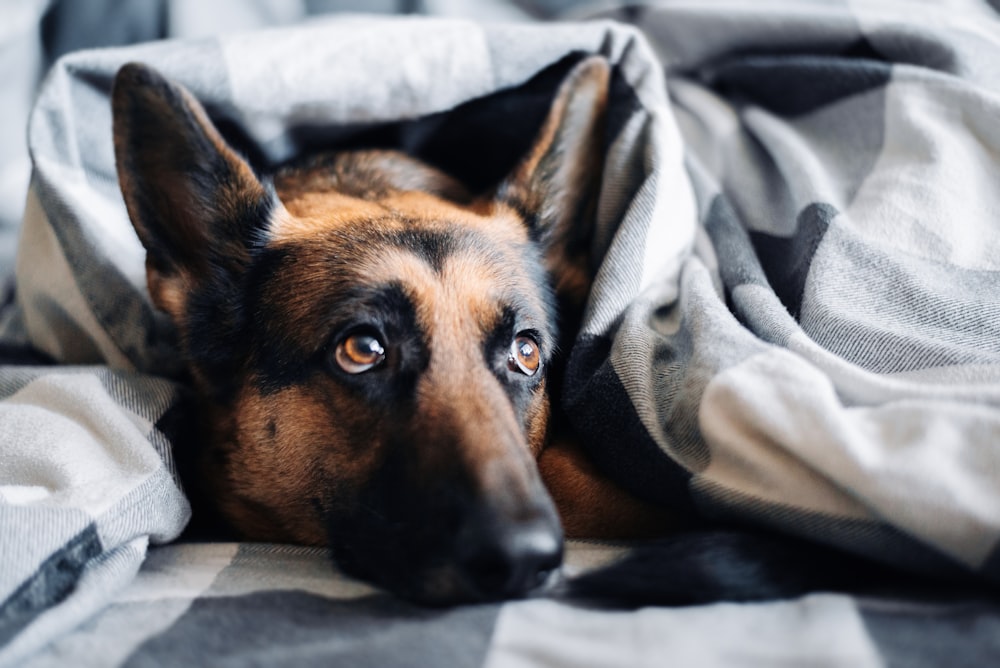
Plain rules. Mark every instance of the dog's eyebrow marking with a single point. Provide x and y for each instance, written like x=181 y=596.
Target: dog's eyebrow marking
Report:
x=520 y=208
x=282 y=360
x=500 y=336
x=430 y=245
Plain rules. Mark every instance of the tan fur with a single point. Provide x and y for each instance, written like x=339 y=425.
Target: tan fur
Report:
x=277 y=454
x=452 y=303
x=590 y=505
x=314 y=204
x=456 y=392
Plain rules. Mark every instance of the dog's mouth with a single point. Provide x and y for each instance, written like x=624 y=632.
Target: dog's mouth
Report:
x=483 y=560
x=447 y=584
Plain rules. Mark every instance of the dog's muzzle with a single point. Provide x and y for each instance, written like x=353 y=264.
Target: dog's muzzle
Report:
x=508 y=561
x=476 y=555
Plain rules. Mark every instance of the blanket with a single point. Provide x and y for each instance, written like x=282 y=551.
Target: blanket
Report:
x=794 y=323
x=226 y=604
x=825 y=359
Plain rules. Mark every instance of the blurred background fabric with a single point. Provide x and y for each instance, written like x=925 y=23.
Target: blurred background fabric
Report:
x=34 y=33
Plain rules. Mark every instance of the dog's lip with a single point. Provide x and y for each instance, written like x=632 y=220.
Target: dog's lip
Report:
x=440 y=583
x=449 y=587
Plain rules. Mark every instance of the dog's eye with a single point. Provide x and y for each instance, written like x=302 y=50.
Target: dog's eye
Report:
x=359 y=353
x=524 y=355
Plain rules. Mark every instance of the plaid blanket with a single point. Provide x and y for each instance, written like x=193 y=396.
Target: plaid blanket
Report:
x=252 y=604
x=826 y=359
x=795 y=323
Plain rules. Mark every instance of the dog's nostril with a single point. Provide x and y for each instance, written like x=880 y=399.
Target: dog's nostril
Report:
x=513 y=563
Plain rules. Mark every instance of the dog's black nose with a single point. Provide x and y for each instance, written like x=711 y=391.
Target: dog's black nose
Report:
x=512 y=561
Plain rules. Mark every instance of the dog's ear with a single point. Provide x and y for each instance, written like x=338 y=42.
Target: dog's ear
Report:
x=555 y=185
x=196 y=205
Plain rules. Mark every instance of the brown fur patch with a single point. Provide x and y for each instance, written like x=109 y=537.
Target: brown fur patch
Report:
x=284 y=449
x=368 y=175
x=462 y=297
x=590 y=505
x=315 y=424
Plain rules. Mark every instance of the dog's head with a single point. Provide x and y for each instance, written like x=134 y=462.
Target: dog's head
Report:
x=372 y=342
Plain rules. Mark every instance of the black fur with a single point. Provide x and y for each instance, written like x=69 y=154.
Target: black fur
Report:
x=432 y=247
x=496 y=348
x=709 y=566
x=217 y=319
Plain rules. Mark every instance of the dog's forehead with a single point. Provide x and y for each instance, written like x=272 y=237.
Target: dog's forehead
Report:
x=312 y=215
x=462 y=269
x=357 y=188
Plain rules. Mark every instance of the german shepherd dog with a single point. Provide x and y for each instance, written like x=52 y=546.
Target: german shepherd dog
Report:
x=375 y=350
x=372 y=343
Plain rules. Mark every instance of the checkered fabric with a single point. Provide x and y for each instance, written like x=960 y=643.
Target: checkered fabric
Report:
x=252 y=604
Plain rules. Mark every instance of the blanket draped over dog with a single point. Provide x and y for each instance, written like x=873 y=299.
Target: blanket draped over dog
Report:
x=795 y=322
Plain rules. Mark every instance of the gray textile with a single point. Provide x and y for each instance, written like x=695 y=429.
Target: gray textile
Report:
x=826 y=360
x=796 y=322
x=34 y=33
x=249 y=604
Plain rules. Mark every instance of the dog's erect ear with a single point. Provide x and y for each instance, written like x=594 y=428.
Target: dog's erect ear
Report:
x=196 y=205
x=555 y=186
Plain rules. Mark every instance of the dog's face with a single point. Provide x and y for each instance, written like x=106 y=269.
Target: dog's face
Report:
x=372 y=342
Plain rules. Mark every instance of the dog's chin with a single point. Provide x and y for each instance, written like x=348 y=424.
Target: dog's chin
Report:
x=441 y=586
x=435 y=583
x=447 y=586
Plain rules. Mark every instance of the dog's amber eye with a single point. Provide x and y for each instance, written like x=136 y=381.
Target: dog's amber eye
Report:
x=359 y=353
x=524 y=355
